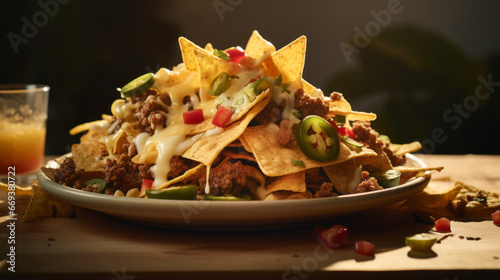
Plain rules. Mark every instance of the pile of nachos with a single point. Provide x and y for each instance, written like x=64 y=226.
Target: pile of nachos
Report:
x=233 y=124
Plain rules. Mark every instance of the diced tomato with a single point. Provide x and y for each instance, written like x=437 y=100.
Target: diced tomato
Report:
x=146 y=185
x=221 y=116
x=235 y=54
x=342 y=130
x=442 y=225
x=334 y=124
x=364 y=248
x=496 y=218
x=334 y=237
x=193 y=116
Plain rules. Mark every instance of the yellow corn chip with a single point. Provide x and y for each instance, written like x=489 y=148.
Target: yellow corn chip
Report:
x=43 y=204
x=276 y=160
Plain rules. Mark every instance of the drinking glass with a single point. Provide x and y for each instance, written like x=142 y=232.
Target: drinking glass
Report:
x=23 y=115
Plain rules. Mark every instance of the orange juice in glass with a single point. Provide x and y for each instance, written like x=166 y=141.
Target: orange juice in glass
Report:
x=23 y=114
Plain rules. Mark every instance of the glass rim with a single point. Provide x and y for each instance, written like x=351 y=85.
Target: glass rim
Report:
x=23 y=88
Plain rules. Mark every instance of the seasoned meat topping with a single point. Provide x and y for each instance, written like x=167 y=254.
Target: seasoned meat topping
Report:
x=152 y=114
x=308 y=105
x=368 y=183
x=121 y=174
x=270 y=113
x=227 y=178
x=325 y=190
x=369 y=137
x=286 y=135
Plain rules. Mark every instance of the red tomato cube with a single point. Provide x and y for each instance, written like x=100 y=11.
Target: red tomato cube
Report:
x=193 y=116
x=335 y=236
x=146 y=185
x=364 y=248
x=496 y=218
x=222 y=116
x=442 y=225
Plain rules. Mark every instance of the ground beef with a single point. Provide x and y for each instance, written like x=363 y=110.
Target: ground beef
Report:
x=369 y=137
x=152 y=115
x=270 y=113
x=335 y=96
x=325 y=190
x=121 y=174
x=286 y=135
x=66 y=174
x=227 y=178
x=177 y=167
x=308 y=105
x=368 y=183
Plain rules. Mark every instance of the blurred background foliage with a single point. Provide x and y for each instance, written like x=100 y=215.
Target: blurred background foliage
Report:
x=426 y=59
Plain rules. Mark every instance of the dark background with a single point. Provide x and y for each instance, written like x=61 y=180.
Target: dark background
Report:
x=417 y=70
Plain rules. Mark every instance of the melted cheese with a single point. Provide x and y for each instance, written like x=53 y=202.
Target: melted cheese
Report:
x=173 y=139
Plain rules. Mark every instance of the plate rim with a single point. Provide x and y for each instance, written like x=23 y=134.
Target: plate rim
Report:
x=158 y=212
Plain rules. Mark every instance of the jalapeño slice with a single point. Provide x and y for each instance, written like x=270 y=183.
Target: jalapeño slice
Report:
x=181 y=193
x=262 y=85
x=238 y=197
x=98 y=184
x=388 y=179
x=317 y=139
x=421 y=242
x=138 y=85
x=220 y=84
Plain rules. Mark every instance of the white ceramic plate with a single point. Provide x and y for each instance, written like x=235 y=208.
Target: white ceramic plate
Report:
x=234 y=215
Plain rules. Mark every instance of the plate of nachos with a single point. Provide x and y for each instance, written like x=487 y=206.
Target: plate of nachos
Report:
x=233 y=138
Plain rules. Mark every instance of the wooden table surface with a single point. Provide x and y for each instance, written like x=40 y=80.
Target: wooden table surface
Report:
x=96 y=246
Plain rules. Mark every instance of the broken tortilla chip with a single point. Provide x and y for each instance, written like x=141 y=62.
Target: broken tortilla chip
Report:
x=276 y=160
x=403 y=149
x=44 y=204
x=460 y=201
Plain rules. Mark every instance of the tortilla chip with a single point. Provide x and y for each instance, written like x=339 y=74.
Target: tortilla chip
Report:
x=403 y=149
x=345 y=176
x=288 y=61
x=257 y=46
x=86 y=126
x=187 y=49
x=460 y=201
x=410 y=169
x=207 y=149
x=276 y=160
x=209 y=66
x=283 y=195
x=245 y=144
x=234 y=155
x=295 y=182
x=87 y=156
x=44 y=204
x=209 y=47
x=177 y=179
x=342 y=107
